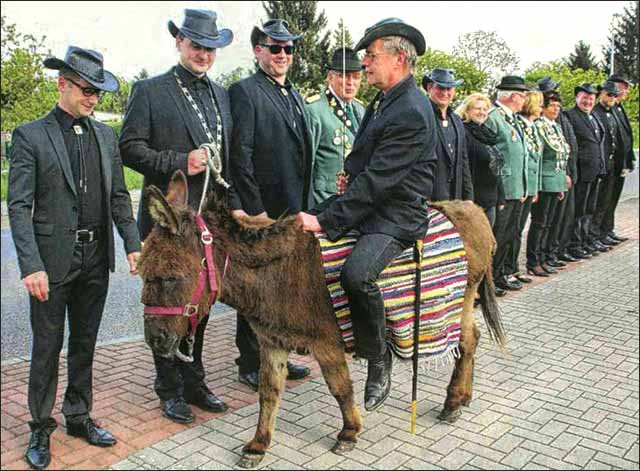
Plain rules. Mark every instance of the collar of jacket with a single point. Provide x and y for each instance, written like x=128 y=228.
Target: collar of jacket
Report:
x=436 y=110
x=287 y=83
x=66 y=121
x=188 y=77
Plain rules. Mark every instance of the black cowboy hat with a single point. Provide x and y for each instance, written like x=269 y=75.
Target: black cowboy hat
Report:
x=444 y=77
x=512 y=82
x=619 y=79
x=200 y=27
x=392 y=27
x=276 y=29
x=610 y=87
x=87 y=64
x=587 y=88
x=351 y=61
x=547 y=84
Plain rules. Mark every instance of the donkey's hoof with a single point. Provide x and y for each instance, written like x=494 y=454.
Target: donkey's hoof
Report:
x=250 y=460
x=450 y=416
x=343 y=447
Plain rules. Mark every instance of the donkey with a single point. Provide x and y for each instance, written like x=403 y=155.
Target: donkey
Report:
x=274 y=274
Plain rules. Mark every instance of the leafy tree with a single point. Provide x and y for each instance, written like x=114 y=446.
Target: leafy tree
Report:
x=227 y=78
x=26 y=92
x=624 y=37
x=475 y=80
x=116 y=102
x=312 y=50
x=581 y=57
x=142 y=75
x=489 y=53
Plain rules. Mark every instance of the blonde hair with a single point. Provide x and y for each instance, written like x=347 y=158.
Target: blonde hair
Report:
x=533 y=100
x=472 y=99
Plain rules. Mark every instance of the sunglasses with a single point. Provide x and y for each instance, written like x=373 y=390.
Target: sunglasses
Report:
x=276 y=48
x=86 y=91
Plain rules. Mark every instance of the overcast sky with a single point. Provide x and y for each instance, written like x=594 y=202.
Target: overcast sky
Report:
x=134 y=35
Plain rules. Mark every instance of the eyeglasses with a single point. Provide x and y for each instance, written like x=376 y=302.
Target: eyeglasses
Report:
x=372 y=55
x=86 y=91
x=276 y=48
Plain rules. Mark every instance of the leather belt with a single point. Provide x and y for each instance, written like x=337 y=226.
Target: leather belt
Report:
x=86 y=235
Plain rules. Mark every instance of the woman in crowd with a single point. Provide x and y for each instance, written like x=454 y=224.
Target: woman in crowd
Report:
x=531 y=110
x=553 y=184
x=484 y=158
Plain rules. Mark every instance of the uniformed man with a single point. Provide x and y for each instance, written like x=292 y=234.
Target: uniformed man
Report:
x=334 y=118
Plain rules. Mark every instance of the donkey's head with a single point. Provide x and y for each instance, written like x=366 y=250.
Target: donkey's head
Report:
x=170 y=263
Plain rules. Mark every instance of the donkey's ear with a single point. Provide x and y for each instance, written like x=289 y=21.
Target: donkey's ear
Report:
x=178 y=193
x=160 y=210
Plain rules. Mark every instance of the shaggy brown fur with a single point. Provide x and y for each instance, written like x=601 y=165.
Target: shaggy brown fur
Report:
x=276 y=278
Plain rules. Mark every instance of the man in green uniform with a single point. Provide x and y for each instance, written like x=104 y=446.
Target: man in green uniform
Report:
x=334 y=118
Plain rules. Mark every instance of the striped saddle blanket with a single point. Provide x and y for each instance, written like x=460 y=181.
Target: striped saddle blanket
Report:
x=444 y=279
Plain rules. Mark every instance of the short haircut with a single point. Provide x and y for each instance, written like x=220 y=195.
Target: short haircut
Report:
x=260 y=38
x=397 y=44
x=500 y=94
x=532 y=101
x=66 y=72
x=463 y=109
x=551 y=97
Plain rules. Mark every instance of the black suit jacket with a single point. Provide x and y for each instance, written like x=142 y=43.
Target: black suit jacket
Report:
x=570 y=137
x=390 y=169
x=452 y=178
x=270 y=159
x=160 y=129
x=610 y=135
x=591 y=162
x=43 y=203
x=624 y=156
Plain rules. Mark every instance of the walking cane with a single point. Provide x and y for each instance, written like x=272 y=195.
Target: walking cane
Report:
x=417 y=257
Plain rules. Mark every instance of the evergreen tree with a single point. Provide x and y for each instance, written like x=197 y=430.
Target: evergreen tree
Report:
x=581 y=57
x=336 y=38
x=624 y=37
x=312 y=49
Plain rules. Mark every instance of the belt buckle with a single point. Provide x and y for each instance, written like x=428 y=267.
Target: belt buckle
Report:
x=80 y=235
x=190 y=309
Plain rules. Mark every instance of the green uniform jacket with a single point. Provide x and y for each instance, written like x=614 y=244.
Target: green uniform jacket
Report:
x=555 y=154
x=512 y=146
x=534 y=156
x=330 y=130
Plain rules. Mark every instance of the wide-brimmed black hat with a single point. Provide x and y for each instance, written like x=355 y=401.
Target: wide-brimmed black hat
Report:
x=619 y=79
x=87 y=64
x=444 y=77
x=349 y=60
x=610 y=87
x=392 y=27
x=276 y=29
x=547 y=84
x=587 y=88
x=512 y=82
x=200 y=27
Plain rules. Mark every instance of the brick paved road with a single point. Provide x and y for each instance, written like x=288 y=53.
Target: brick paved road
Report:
x=565 y=398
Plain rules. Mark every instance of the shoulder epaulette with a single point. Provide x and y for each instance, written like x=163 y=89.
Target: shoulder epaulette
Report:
x=312 y=98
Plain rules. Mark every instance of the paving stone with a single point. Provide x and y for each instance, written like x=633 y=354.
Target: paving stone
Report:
x=579 y=456
x=624 y=440
x=457 y=460
x=518 y=458
x=507 y=443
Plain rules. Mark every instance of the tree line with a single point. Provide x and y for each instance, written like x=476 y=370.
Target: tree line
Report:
x=480 y=57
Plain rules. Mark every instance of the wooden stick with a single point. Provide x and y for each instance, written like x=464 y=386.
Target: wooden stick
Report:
x=417 y=257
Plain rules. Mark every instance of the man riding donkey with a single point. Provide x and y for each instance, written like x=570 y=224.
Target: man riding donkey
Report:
x=390 y=179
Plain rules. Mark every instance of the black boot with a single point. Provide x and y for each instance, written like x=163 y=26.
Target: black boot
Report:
x=38 y=455
x=378 y=385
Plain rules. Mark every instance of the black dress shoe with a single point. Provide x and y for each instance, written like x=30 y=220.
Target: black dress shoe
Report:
x=556 y=263
x=513 y=284
x=537 y=271
x=548 y=269
x=38 y=455
x=297 y=371
x=578 y=254
x=522 y=278
x=250 y=379
x=500 y=292
x=90 y=431
x=566 y=257
x=177 y=410
x=206 y=400
x=591 y=250
x=378 y=385
x=615 y=236
x=600 y=247
x=609 y=241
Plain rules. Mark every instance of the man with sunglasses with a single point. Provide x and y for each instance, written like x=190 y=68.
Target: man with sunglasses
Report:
x=66 y=189
x=270 y=157
x=168 y=117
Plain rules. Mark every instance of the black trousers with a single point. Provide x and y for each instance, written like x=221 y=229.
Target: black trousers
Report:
x=586 y=199
x=608 y=221
x=561 y=225
x=175 y=378
x=511 y=264
x=541 y=218
x=247 y=343
x=371 y=254
x=504 y=229
x=82 y=293
x=603 y=205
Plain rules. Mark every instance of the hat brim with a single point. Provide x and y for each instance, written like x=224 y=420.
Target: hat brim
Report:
x=586 y=90
x=514 y=88
x=394 y=29
x=225 y=36
x=427 y=80
x=110 y=83
x=349 y=67
x=255 y=32
x=620 y=80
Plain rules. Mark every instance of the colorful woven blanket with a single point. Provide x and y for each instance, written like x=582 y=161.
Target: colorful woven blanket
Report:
x=444 y=279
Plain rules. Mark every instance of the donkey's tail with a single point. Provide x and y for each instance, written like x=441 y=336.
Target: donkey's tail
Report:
x=490 y=309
